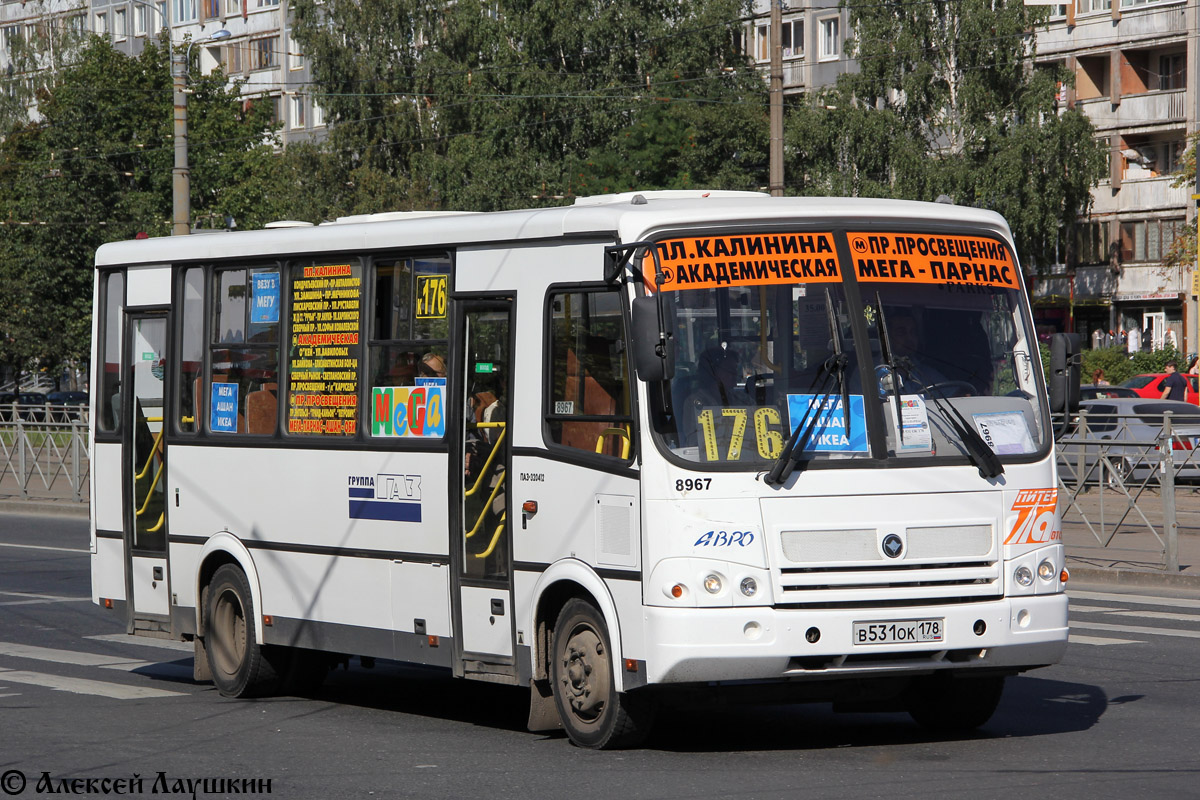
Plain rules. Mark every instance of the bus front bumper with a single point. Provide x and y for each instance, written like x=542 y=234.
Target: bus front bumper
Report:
x=689 y=645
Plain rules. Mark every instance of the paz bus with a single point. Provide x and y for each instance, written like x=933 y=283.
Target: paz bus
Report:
x=645 y=445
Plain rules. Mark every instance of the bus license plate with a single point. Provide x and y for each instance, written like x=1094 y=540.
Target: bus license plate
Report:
x=899 y=631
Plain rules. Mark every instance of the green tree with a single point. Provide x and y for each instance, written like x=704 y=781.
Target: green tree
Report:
x=947 y=102
x=96 y=167
x=471 y=106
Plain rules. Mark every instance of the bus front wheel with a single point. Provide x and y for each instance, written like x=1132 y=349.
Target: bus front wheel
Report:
x=237 y=662
x=592 y=711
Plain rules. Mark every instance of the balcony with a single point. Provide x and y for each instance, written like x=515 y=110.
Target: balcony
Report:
x=1091 y=283
x=1140 y=195
x=1097 y=31
x=1150 y=108
x=1150 y=283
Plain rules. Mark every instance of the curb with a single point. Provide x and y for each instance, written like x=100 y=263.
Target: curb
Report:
x=1132 y=577
x=64 y=508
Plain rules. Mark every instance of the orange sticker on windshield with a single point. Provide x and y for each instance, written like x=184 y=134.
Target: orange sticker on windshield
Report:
x=933 y=258
x=702 y=262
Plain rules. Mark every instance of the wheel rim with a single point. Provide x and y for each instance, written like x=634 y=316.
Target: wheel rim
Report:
x=585 y=674
x=229 y=633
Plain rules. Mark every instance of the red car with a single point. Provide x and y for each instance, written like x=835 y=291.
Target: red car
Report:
x=1151 y=386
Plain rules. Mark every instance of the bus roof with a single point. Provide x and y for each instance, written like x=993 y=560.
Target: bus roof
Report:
x=629 y=216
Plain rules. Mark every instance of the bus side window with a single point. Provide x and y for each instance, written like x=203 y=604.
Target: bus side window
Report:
x=245 y=355
x=108 y=397
x=588 y=407
x=190 y=363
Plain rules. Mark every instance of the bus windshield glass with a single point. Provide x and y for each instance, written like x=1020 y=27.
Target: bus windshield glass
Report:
x=930 y=346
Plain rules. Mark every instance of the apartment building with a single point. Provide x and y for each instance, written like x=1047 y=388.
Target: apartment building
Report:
x=813 y=36
x=1134 y=66
x=259 y=51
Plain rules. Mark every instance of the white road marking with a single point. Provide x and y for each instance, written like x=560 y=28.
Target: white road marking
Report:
x=29 y=598
x=1090 y=609
x=47 y=547
x=144 y=641
x=1138 y=599
x=1136 y=629
x=1124 y=612
x=61 y=683
x=70 y=657
x=1079 y=638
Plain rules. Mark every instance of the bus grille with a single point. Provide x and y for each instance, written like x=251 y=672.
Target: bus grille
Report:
x=829 y=568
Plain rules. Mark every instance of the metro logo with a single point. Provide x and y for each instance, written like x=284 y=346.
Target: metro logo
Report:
x=1035 y=524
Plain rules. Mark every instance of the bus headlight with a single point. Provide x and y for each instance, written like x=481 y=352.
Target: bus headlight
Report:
x=1046 y=571
x=712 y=584
x=1023 y=575
x=749 y=587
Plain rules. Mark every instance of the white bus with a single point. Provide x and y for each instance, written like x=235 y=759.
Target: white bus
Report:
x=616 y=452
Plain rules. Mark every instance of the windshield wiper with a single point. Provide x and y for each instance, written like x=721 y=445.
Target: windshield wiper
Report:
x=982 y=456
x=885 y=352
x=833 y=367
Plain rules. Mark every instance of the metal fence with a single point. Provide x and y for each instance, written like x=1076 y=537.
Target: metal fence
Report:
x=44 y=452
x=1121 y=476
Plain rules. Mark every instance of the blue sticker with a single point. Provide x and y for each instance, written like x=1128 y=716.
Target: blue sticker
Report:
x=391 y=498
x=265 y=308
x=829 y=433
x=223 y=408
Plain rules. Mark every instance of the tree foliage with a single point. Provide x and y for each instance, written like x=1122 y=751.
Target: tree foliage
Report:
x=96 y=167
x=946 y=102
x=468 y=106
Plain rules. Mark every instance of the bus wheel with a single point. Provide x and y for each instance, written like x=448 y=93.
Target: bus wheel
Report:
x=593 y=713
x=950 y=703
x=239 y=666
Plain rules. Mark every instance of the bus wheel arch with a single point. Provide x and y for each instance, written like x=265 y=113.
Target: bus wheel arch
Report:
x=557 y=586
x=225 y=548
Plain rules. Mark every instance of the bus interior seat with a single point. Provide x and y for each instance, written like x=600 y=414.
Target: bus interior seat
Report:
x=262 y=410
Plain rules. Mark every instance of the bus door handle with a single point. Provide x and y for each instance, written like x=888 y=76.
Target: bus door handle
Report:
x=498 y=606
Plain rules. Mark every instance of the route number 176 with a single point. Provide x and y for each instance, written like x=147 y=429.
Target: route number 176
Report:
x=724 y=431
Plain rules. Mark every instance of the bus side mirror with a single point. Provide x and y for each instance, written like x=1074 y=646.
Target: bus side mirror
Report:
x=1064 y=373
x=653 y=345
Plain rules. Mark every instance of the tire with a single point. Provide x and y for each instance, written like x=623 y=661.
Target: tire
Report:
x=239 y=666
x=593 y=713
x=949 y=703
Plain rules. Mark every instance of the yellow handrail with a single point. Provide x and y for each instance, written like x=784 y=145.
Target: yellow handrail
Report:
x=491 y=455
x=625 y=443
x=150 y=492
x=161 y=519
x=157 y=442
x=486 y=506
x=495 y=537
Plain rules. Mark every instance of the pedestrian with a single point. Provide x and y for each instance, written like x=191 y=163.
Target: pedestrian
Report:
x=1098 y=378
x=1175 y=386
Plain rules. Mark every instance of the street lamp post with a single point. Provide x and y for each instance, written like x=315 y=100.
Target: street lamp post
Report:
x=181 y=189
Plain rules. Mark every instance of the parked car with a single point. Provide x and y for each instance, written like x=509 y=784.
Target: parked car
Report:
x=30 y=406
x=66 y=406
x=1150 y=386
x=1126 y=431
x=1090 y=392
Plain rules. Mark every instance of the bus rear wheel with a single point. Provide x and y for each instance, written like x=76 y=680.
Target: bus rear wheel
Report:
x=593 y=713
x=949 y=703
x=238 y=664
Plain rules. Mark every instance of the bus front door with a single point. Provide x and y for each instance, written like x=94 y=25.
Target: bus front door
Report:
x=144 y=460
x=483 y=617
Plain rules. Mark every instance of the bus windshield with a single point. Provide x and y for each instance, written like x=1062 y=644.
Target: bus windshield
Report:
x=758 y=357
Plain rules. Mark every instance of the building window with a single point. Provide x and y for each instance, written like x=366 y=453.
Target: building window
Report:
x=791 y=36
x=211 y=9
x=140 y=20
x=185 y=10
x=266 y=3
x=831 y=38
x=588 y=407
x=101 y=24
x=233 y=8
x=297 y=111
x=120 y=31
x=1148 y=240
x=762 y=43
x=235 y=59
x=295 y=58
x=318 y=116
x=1091 y=243
x=1090 y=6
x=264 y=52
x=1172 y=71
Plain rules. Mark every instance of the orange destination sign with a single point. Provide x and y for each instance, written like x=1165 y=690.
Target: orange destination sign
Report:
x=702 y=262
x=933 y=258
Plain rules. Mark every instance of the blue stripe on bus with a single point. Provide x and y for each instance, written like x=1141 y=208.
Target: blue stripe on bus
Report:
x=365 y=491
x=385 y=510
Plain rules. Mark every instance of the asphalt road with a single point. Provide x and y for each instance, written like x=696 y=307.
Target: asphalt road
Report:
x=1120 y=717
